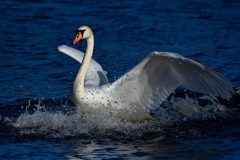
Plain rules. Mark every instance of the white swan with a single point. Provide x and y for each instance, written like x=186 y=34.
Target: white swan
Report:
x=146 y=85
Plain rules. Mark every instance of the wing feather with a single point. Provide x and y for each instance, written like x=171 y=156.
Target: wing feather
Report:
x=159 y=74
x=95 y=75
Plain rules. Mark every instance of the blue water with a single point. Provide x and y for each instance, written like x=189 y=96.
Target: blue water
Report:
x=37 y=117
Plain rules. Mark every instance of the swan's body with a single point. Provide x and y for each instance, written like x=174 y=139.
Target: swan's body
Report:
x=146 y=85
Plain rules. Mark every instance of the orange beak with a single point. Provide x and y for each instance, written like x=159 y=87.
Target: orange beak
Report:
x=77 y=38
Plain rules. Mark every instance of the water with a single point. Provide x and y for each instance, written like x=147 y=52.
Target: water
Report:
x=38 y=119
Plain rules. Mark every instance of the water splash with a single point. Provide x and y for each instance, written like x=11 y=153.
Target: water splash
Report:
x=109 y=123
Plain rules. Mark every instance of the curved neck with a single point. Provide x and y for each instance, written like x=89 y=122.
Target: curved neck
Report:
x=79 y=81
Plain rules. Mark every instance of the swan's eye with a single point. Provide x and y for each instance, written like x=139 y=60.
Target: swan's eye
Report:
x=80 y=31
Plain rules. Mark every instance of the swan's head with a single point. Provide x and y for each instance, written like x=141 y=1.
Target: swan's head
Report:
x=83 y=32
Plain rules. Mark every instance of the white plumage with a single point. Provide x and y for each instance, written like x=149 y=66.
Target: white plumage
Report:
x=146 y=85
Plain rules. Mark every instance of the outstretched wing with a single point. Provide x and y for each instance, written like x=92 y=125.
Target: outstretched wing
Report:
x=158 y=75
x=95 y=75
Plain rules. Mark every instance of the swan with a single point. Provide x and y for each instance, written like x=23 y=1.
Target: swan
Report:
x=146 y=85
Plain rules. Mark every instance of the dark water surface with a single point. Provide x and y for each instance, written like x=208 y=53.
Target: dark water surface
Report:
x=37 y=80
